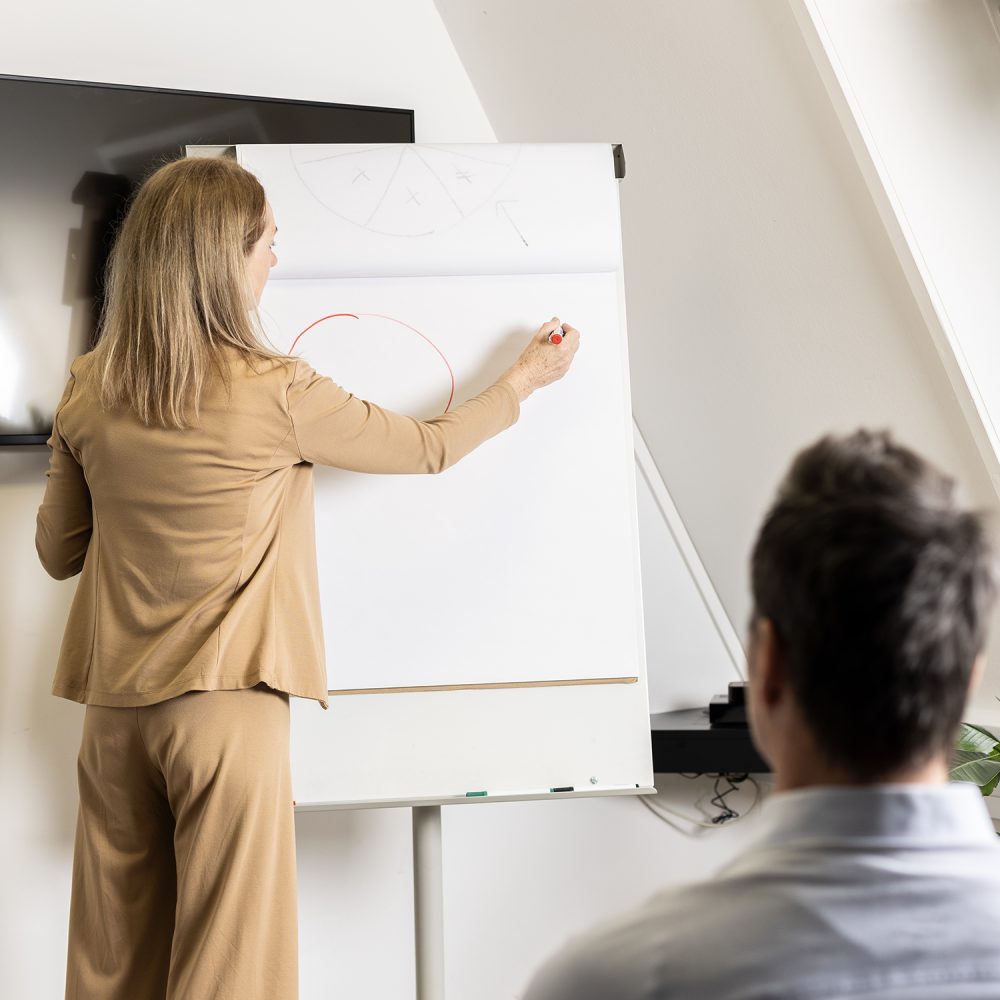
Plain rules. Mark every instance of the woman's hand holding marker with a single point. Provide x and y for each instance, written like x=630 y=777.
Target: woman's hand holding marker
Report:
x=546 y=358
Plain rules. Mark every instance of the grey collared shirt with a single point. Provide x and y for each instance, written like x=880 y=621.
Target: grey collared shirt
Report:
x=891 y=891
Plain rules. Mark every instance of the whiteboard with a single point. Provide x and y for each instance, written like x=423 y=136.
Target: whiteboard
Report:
x=484 y=627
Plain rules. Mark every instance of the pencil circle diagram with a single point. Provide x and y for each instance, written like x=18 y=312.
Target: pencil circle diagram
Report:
x=381 y=359
x=405 y=190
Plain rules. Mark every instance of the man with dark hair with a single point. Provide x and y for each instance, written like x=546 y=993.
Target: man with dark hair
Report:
x=873 y=876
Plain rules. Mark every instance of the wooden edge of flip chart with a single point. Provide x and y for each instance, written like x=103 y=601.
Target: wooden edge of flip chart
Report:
x=500 y=685
x=459 y=800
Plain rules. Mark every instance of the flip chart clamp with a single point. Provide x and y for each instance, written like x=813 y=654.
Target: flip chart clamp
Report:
x=619 y=157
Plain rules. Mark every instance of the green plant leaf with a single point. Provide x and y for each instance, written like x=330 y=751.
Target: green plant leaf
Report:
x=983 y=730
x=964 y=756
x=979 y=772
x=990 y=787
x=976 y=739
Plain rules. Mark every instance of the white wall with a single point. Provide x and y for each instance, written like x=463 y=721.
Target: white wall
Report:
x=518 y=877
x=766 y=305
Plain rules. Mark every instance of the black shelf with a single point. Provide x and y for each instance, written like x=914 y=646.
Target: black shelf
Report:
x=686 y=743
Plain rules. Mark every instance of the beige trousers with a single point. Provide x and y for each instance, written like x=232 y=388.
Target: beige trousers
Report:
x=184 y=869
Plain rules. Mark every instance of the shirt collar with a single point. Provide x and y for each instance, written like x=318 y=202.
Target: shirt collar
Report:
x=904 y=815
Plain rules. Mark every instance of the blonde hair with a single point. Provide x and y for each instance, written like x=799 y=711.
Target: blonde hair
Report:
x=178 y=291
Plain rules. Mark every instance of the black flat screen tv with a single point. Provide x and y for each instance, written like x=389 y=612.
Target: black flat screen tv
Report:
x=71 y=153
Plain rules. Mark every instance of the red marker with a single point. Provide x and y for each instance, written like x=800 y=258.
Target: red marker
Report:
x=556 y=336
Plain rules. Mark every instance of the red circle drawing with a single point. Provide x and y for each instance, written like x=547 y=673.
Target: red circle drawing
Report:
x=390 y=319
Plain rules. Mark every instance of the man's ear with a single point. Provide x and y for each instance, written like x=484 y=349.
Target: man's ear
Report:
x=770 y=675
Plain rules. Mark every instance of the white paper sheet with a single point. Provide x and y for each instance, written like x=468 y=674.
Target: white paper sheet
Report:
x=521 y=562
x=517 y=563
x=364 y=211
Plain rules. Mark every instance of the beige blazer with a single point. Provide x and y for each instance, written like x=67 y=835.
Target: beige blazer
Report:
x=196 y=547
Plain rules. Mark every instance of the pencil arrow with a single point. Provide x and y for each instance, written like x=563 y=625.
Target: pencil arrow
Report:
x=502 y=210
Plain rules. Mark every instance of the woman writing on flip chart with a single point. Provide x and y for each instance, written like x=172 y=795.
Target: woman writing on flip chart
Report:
x=180 y=485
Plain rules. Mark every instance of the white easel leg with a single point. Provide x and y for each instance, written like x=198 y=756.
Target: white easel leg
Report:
x=428 y=902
